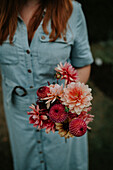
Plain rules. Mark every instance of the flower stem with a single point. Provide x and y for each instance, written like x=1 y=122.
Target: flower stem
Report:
x=65 y=140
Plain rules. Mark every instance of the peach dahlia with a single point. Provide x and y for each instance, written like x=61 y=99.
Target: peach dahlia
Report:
x=77 y=97
x=55 y=91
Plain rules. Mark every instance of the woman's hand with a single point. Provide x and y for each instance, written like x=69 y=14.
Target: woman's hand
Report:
x=84 y=73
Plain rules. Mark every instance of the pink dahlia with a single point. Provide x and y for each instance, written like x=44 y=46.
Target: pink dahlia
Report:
x=49 y=125
x=77 y=97
x=57 y=113
x=42 y=91
x=86 y=117
x=77 y=127
x=83 y=115
x=55 y=92
x=37 y=117
x=68 y=72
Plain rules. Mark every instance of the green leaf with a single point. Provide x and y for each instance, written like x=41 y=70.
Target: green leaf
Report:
x=66 y=109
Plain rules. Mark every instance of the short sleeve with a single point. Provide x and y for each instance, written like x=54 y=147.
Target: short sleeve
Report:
x=80 y=53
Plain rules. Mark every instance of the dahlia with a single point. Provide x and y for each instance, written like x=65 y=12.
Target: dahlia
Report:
x=68 y=72
x=42 y=91
x=41 y=104
x=77 y=96
x=37 y=116
x=72 y=115
x=77 y=127
x=49 y=126
x=63 y=129
x=86 y=117
x=55 y=92
x=57 y=113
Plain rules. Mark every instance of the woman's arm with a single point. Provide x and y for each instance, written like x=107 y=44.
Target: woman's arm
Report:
x=81 y=56
x=84 y=73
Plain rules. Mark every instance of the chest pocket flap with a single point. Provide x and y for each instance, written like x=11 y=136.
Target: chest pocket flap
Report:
x=8 y=52
x=52 y=53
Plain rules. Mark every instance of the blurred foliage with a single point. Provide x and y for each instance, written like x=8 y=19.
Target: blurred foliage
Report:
x=104 y=51
x=102 y=74
x=100 y=137
x=99 y=17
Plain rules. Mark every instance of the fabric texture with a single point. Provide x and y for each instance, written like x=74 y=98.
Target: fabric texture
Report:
x=32 y=149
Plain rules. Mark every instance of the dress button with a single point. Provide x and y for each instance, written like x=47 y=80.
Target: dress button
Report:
x=31 y=87
x=38 y=141
x=27 y=51
x=29 y=71
x=41 y=161
x=43 y=37
x=40 y=152
x=37 y=130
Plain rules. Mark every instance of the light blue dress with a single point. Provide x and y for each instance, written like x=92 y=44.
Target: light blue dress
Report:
x=24 y=69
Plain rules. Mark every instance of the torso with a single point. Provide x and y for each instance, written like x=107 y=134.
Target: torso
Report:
x=41 y=57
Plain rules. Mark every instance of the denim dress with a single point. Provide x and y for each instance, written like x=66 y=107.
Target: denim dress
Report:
x=24 y=69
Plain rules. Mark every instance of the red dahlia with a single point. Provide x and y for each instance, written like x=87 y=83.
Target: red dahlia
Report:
x=42 y=91
x=77 y=127
x=72 y=115
x=57 y=113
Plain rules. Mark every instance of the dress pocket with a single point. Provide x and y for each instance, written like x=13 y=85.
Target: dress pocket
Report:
x=16 y=107
x=52 y=53
x=8 y=52
x=12 y=99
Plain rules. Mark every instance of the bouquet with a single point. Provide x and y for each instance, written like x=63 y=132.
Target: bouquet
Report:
x=63 y=108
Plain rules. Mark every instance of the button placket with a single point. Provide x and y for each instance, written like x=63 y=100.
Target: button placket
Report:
x=30 y=83
x=40 y=148
x=41 y=152
x=28 y=51
x=29 y=68
x=29 y=71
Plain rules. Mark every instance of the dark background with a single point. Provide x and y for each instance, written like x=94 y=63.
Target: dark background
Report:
x=99 y=17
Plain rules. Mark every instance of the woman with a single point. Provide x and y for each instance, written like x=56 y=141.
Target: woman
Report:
x=35 y=35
